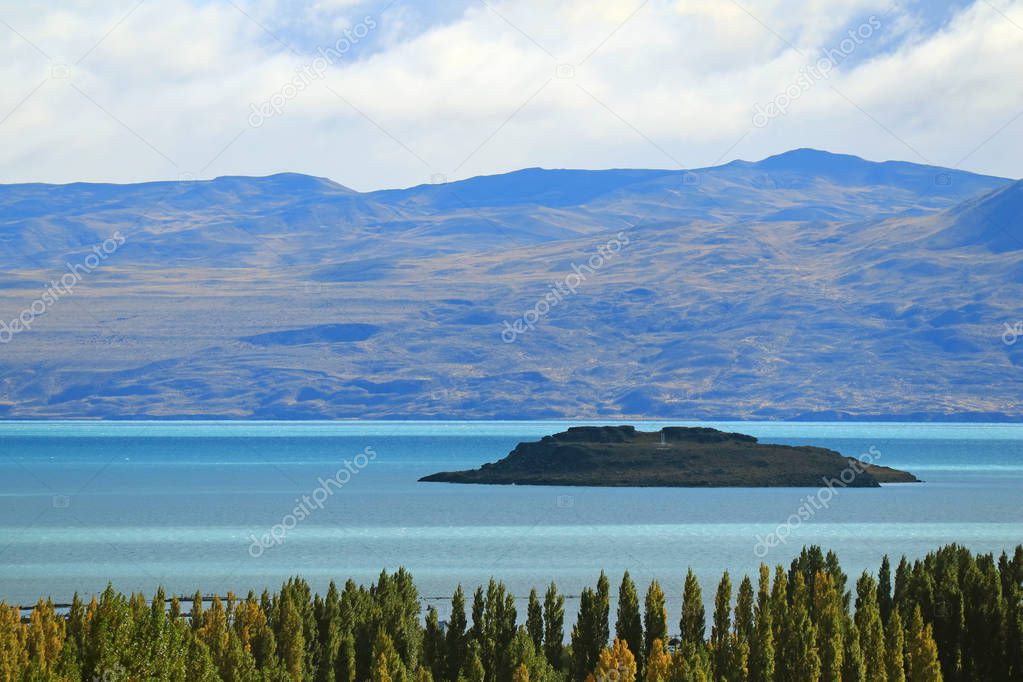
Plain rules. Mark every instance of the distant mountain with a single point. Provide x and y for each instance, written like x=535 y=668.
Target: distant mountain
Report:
x=805 y=285
x=530 y=186
x=231 y=221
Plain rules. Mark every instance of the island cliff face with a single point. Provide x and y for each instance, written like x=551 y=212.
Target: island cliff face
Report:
x=672 y=457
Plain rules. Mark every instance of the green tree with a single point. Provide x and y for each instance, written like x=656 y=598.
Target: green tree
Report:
x=779 y=604
x=199 y=665
x=948 y=617
x=604 y=609
x=868 y=622
x=885 y=602
x=628 y=626
x=473 y=670
x=479 y=605
x=196 y=617
x=345 y=665
x=591 y=630
x=327 y=612
x=655 y=617
x=499 y=630
x=900 y=590
x=894 y=647
x=526 y=657
x=291 y=638
x=827 y=604
x=554 y=625
x=838 y=577
x=1012 y=603
x=534 y=620
x=797 y=658
x=456 y=641
x=238 y=664
x=854 y=668
x=744 y=622
x=692 y=625
x=762 y=646
x=389 y=665
x=398 y=600
x=984 y=627
x=721 y=649
x=434 y=646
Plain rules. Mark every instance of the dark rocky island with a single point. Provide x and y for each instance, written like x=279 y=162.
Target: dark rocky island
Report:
x=672 y=457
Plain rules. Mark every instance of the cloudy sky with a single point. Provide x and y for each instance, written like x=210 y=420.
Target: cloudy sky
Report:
x=397 y=93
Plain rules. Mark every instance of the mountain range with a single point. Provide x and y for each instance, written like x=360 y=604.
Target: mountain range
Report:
x=807 y=285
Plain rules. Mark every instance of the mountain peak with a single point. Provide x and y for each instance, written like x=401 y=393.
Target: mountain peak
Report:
x=812 y=160
x=298 y=182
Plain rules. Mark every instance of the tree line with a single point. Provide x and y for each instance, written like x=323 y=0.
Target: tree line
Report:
x=951 y=616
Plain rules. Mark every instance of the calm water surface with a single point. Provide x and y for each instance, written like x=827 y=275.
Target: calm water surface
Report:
x=177 y=504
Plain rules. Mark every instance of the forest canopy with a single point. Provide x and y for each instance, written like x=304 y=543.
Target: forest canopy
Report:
x=951 y=615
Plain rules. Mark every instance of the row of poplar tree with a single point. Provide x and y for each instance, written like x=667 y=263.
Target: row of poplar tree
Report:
x=951 y=616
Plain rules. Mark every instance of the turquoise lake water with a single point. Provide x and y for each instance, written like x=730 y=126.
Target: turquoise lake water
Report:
x=184 y=505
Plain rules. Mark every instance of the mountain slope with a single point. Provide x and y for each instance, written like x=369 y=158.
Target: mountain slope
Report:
x=807 y=285
x=993 y=221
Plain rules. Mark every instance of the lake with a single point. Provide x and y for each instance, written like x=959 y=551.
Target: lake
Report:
x=244 y=505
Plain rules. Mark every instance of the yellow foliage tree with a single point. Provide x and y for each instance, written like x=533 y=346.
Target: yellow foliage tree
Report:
x=381 y=673
x=616 y=664
x=213 y=631
x=521 y=673
x=921 y=652
x=658 y=663
x=45 y=635
x=13 y=652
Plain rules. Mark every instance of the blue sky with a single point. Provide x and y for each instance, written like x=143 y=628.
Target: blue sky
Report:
x=413 y=91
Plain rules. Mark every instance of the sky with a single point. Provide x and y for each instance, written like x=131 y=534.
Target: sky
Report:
x=398 y=93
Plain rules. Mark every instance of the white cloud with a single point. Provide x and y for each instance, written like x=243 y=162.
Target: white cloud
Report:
x=674 y=80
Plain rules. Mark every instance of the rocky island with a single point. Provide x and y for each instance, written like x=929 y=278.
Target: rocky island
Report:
x=672 y=457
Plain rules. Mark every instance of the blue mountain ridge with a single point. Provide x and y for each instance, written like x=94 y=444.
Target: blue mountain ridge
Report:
x=804 y=285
